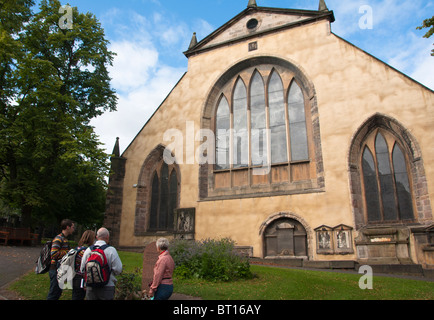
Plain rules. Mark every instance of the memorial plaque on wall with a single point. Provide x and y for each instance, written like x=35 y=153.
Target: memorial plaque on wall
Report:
x=285 y=239
x=150 y=257
x=324 y=240
x=184 y=223
x=343 y=239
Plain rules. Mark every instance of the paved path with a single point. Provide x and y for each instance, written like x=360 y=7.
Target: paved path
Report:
x=15 y=261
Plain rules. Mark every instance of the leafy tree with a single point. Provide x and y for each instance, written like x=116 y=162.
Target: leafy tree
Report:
x=53 y=82
x=426 y=24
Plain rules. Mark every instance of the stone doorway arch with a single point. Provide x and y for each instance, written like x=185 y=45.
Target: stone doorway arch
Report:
x=285 y=235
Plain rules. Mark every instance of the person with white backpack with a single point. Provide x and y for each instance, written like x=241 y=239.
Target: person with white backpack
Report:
x=68 y=272
x=78 y=287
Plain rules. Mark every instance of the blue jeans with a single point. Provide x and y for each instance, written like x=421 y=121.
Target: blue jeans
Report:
x=164 y=291
x=55 y=292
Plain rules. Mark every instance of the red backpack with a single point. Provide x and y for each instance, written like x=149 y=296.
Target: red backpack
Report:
x=97 y=270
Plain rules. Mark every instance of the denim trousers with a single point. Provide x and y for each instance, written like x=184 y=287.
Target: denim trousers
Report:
x=55 y=292
x=164 y=291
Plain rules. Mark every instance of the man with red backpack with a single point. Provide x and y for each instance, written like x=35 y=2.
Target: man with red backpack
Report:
x=100 y=264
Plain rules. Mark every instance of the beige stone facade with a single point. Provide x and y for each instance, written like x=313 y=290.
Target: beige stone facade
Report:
x=315 y=208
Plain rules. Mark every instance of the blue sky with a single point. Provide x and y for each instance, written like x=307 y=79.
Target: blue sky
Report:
x=150 y=36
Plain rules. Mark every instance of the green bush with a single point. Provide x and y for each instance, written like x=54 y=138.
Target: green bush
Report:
x=128 y=286
x=213 y=260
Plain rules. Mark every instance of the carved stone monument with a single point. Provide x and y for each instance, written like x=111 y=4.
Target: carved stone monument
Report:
x=150 y=256
x=184 y=223
x=383 y=245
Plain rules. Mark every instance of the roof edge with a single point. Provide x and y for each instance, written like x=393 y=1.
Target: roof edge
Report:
x=385 y=63
x=328 y=15
x=313 y=13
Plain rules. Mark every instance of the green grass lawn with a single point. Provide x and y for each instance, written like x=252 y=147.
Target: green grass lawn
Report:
x=295 y=284
x=269 y=284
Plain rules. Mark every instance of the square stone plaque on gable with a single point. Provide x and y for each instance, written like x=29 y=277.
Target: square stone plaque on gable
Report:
x=150 y=257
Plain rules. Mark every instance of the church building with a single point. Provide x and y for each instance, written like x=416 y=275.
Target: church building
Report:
x=289 y=140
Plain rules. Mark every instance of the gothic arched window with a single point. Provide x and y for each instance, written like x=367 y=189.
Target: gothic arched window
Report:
x=163 y=199
x=256 y=128
x=276 y=105
x=223 y=124
x=263 y=112
x=297 y=124
x=258 y=121
x=158 y=195
x=240 y=138
x=387 y=191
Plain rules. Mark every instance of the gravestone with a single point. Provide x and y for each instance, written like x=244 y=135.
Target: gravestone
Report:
x=150 y=257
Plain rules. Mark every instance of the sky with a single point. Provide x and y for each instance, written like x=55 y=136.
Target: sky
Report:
x=150 y=36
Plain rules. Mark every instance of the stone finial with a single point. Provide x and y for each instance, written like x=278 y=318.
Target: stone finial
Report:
x=193 y=41
x=322 y=6
x=252 y=4
x=116 y=151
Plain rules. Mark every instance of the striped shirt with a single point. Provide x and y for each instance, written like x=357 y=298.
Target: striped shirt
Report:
x=59 y=247
x=78 y=258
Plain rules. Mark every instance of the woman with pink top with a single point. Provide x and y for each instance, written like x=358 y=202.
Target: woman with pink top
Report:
x=162 y=283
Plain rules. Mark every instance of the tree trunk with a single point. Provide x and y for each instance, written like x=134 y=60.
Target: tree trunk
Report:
x=26 y=216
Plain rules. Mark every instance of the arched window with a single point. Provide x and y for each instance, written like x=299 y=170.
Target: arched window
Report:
x=153 y=221
x=240 y=137
x=264 y=115
x=385 y=180
x=173 y=197
x=258 y=134
x=259 y=118
x=276 y=105
x=223 y=124
x=163 y=198
x=403 y=190
x=297 y=124
x=158 y=195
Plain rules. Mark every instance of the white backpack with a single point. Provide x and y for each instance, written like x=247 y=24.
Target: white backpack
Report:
x=66 y=270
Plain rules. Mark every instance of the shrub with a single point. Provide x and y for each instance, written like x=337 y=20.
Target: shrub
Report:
x=128 y=286
x=209 y=259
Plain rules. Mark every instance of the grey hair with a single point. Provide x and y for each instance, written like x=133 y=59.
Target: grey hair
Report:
x=162 y=244
x=102 y=233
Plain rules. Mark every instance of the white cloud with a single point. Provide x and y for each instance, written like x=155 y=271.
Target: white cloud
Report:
x=132 y=65
x=393 y=37
x=141 y=79
x=388 y=16
x=424 y=70
x=135 y=108
x=203 y=28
